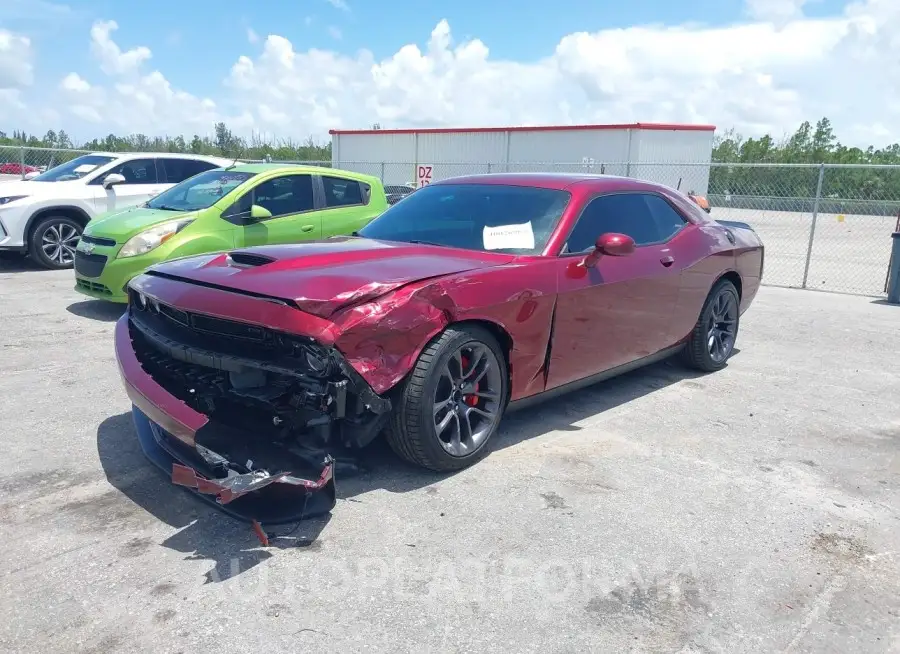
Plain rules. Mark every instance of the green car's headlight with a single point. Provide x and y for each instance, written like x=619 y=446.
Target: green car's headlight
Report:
x=152 y=238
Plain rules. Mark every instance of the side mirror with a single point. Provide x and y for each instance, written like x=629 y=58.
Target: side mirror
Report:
x=32 y=174
x=259 y=213
x=615 y=245
x=610 y=244
x=112 y=179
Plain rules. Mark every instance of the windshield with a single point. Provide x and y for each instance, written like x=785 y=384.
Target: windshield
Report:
x=200 y=191
x=510 y=219
x=75 y=169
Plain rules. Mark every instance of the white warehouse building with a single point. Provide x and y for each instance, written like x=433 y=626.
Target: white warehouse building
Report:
x=671 y=154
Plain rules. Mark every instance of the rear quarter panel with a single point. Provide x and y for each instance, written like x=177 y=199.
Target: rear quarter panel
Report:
x=706 y=254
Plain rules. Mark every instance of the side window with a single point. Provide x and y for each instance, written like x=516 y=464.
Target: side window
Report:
x=173 y=171
x=281 y=196
x=341 y=192
x=668 y=220
x=645 y=218
x=136 y=171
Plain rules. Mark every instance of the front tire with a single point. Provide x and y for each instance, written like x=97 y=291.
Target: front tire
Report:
x=451 y=404
x=53 y=242
x=712 y=340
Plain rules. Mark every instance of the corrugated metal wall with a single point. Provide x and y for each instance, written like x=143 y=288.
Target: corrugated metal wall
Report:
x=388 y=156
x=647 y=154
x=570 y=151
x=672 y=156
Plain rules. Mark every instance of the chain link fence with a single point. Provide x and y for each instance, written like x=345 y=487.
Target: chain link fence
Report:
x=825 y=226
x=16 y=162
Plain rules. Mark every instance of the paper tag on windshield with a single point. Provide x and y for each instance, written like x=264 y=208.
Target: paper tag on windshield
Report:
x=509 y=237
x=85 y=168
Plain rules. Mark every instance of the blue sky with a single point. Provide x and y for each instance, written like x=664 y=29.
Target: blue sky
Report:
x=757 y=65
x=211 y=34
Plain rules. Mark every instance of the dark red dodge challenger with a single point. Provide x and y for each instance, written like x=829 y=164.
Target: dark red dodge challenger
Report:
x=471 y=297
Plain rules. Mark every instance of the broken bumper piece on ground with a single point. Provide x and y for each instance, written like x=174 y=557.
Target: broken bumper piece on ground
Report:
x=255 y=496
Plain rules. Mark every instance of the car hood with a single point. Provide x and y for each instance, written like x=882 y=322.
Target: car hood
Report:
x=324 y=277
x=123 y=224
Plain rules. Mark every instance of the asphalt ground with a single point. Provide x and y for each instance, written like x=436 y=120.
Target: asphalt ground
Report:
x=751 y=510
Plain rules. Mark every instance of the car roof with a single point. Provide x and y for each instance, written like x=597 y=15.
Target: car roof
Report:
x=557 y=181
x=167 y=155
x=259 y=168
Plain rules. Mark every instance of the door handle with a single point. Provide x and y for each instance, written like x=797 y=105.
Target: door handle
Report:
x=667 y=261
x=307 y=228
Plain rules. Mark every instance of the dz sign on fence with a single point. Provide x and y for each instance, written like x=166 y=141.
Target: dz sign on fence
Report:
x=423 y=175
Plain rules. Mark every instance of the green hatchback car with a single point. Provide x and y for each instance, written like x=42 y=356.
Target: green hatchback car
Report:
x=222 y=209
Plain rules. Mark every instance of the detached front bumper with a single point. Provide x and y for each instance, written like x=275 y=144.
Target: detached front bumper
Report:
x=167 y=429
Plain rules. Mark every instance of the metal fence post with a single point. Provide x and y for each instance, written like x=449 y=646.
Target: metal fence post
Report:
x=489 y=168
x=812 y=227
x=893 y=286
x=382 y=172
x=22 y=161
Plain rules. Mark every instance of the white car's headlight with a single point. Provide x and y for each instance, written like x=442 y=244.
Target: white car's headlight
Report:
x=152 y=238
x=11 y=198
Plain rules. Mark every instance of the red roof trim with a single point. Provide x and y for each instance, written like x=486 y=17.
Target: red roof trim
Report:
x=538 y=128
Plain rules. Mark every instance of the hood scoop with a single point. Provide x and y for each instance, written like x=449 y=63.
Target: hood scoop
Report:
x=248 y=259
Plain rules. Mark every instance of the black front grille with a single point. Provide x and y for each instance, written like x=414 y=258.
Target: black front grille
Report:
x=92 y=286
x=89 y=265
x=218 y=334
x=98 y=240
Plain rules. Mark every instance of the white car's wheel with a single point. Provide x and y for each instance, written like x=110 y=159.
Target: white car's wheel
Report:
x=53 y=242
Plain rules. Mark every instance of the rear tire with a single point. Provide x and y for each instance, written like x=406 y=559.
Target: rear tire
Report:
x=712 y=340
x=53 y=241
x=441 y=420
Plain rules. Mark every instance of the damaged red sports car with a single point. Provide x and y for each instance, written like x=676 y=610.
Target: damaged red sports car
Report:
x=252 y=372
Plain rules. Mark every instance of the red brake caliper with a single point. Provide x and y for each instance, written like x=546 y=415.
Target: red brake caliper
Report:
x=471 y=400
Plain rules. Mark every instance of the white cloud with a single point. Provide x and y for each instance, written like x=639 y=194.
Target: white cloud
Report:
x=335 y=33
x=74 y=82
x=113 y=60
x=16 y=60
x=758 y=76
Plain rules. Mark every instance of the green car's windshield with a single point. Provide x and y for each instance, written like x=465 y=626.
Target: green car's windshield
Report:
x=75 y=169
x=200 y=191
x=501 y=218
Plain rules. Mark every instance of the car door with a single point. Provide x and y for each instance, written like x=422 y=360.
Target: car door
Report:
x=345 y=205
x=290 y=200
x=141 y=183
x=619 y=310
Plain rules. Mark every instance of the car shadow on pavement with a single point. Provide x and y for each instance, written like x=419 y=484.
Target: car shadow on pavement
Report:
x=561 y=414
x=13 y=262
x=206 y=533
x=97 y=310
x=203 y=532
x=386 y=471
